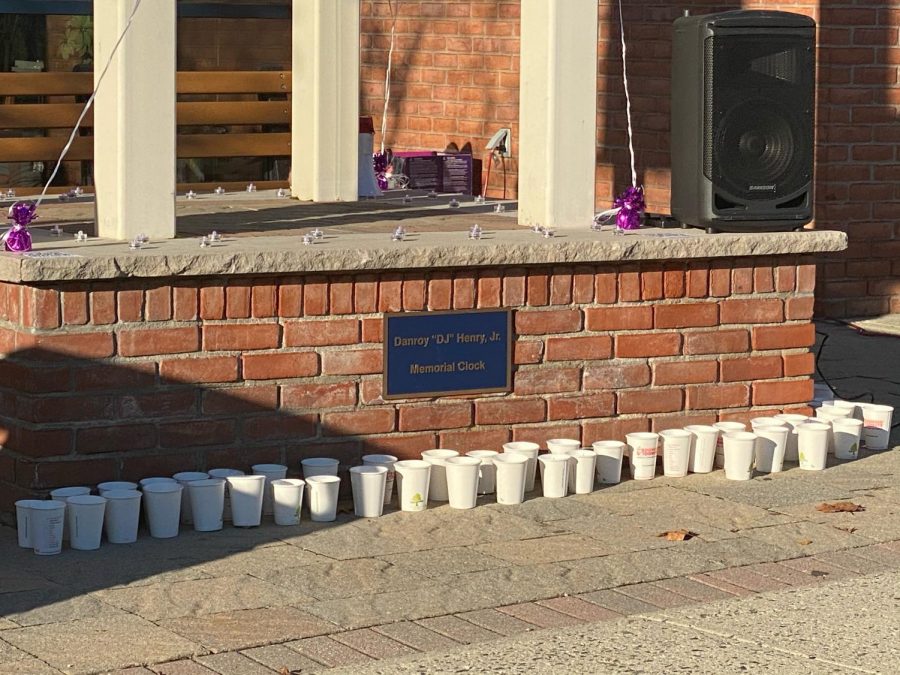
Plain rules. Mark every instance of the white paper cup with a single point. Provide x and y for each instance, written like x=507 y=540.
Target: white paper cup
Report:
x=812 y=445
x=162 y=504
x=771 y=441
x=765 y=421
x=368 y=484
x=642 y=450
x=846 y=435
x=487 y=474
x=225 y=473
x=115 y=485
x=830 y=412
x=154 y=479
x=740 y=454
x=790 y=420
x=529 y=450
x=271 y=472
x=319 y=466
x=827 y=414
x=85 y=515
x=62 y=494
x=877 y=425
x=724 y=428
x=562 y=446
x=246 y=499
x=703 y=447
x=676 y=452
x=185 y=478
x=287 y=499
x=23 y=521
x=462 y=481
x=855 y=408
x=437 y=490
x=323 y=498
x=123 y=513
x=554 y=475
x=413 y=478
x=582 y=467
x=387 y=461
x=512 y=477
x=609 y=461
x=207 y=500
x=47 y=518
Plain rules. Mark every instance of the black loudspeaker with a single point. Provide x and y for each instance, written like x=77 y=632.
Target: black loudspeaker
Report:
x=743 y=96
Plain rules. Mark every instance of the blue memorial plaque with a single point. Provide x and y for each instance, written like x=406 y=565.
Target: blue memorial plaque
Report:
x=440 y=353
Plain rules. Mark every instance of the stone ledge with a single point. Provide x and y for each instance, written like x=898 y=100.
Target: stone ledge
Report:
x=101 y=259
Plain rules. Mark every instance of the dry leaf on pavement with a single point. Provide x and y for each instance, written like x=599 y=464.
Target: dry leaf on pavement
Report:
x=678 y=535
x=839 y=507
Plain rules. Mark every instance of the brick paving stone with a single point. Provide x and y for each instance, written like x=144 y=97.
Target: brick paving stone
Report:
x=416 y=636
x=745 y=578
x=277 y=657
x=721 y=584
x=328 y=652
x=693 y=589
x=892 y=545
x=879 y=553
x=457 y=629
x=784 y=574
x=137 y=670
x=498 y=622
x=854 y=563
x=654 y=595
x=248 y=628
x=375 y=645
x=817 y=568
x=580 y=609
x=182 y=667
x=542 y=617
x=234 y=663
x=618 y=602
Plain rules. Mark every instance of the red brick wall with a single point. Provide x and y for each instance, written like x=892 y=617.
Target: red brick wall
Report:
x=456 y=75
x=456 y=80
x=130 y=379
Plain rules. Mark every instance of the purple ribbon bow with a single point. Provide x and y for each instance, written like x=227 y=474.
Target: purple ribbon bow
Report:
x=631 y=208
x=18 y=239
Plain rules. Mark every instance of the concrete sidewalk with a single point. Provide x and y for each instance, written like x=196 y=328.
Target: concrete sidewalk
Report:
x=318 y=596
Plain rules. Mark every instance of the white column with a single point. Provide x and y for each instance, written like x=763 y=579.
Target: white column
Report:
x=325 y=100
x=558 y=113
x=134 y=120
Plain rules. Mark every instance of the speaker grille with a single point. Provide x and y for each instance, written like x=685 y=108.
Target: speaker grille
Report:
x=758 y=115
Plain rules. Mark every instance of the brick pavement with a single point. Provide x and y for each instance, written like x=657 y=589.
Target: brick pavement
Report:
x=230 y=602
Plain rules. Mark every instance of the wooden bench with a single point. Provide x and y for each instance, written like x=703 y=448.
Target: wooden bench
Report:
x=247 y=124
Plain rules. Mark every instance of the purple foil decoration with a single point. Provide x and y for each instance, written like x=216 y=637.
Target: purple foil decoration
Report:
x=380 y=161
x=631 y=208
x=18 y=239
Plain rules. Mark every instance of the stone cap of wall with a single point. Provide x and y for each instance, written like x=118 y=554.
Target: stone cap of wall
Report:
x=52 y=260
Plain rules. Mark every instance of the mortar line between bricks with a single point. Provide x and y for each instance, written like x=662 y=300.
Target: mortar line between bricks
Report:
x=755 y=643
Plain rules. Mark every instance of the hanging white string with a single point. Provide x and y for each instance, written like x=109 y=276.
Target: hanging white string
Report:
x=89 y=103
x=606 y=216
x=627 y=97
x=387 y=76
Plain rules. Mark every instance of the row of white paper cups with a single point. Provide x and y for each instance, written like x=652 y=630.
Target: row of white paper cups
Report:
x=201 y=498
